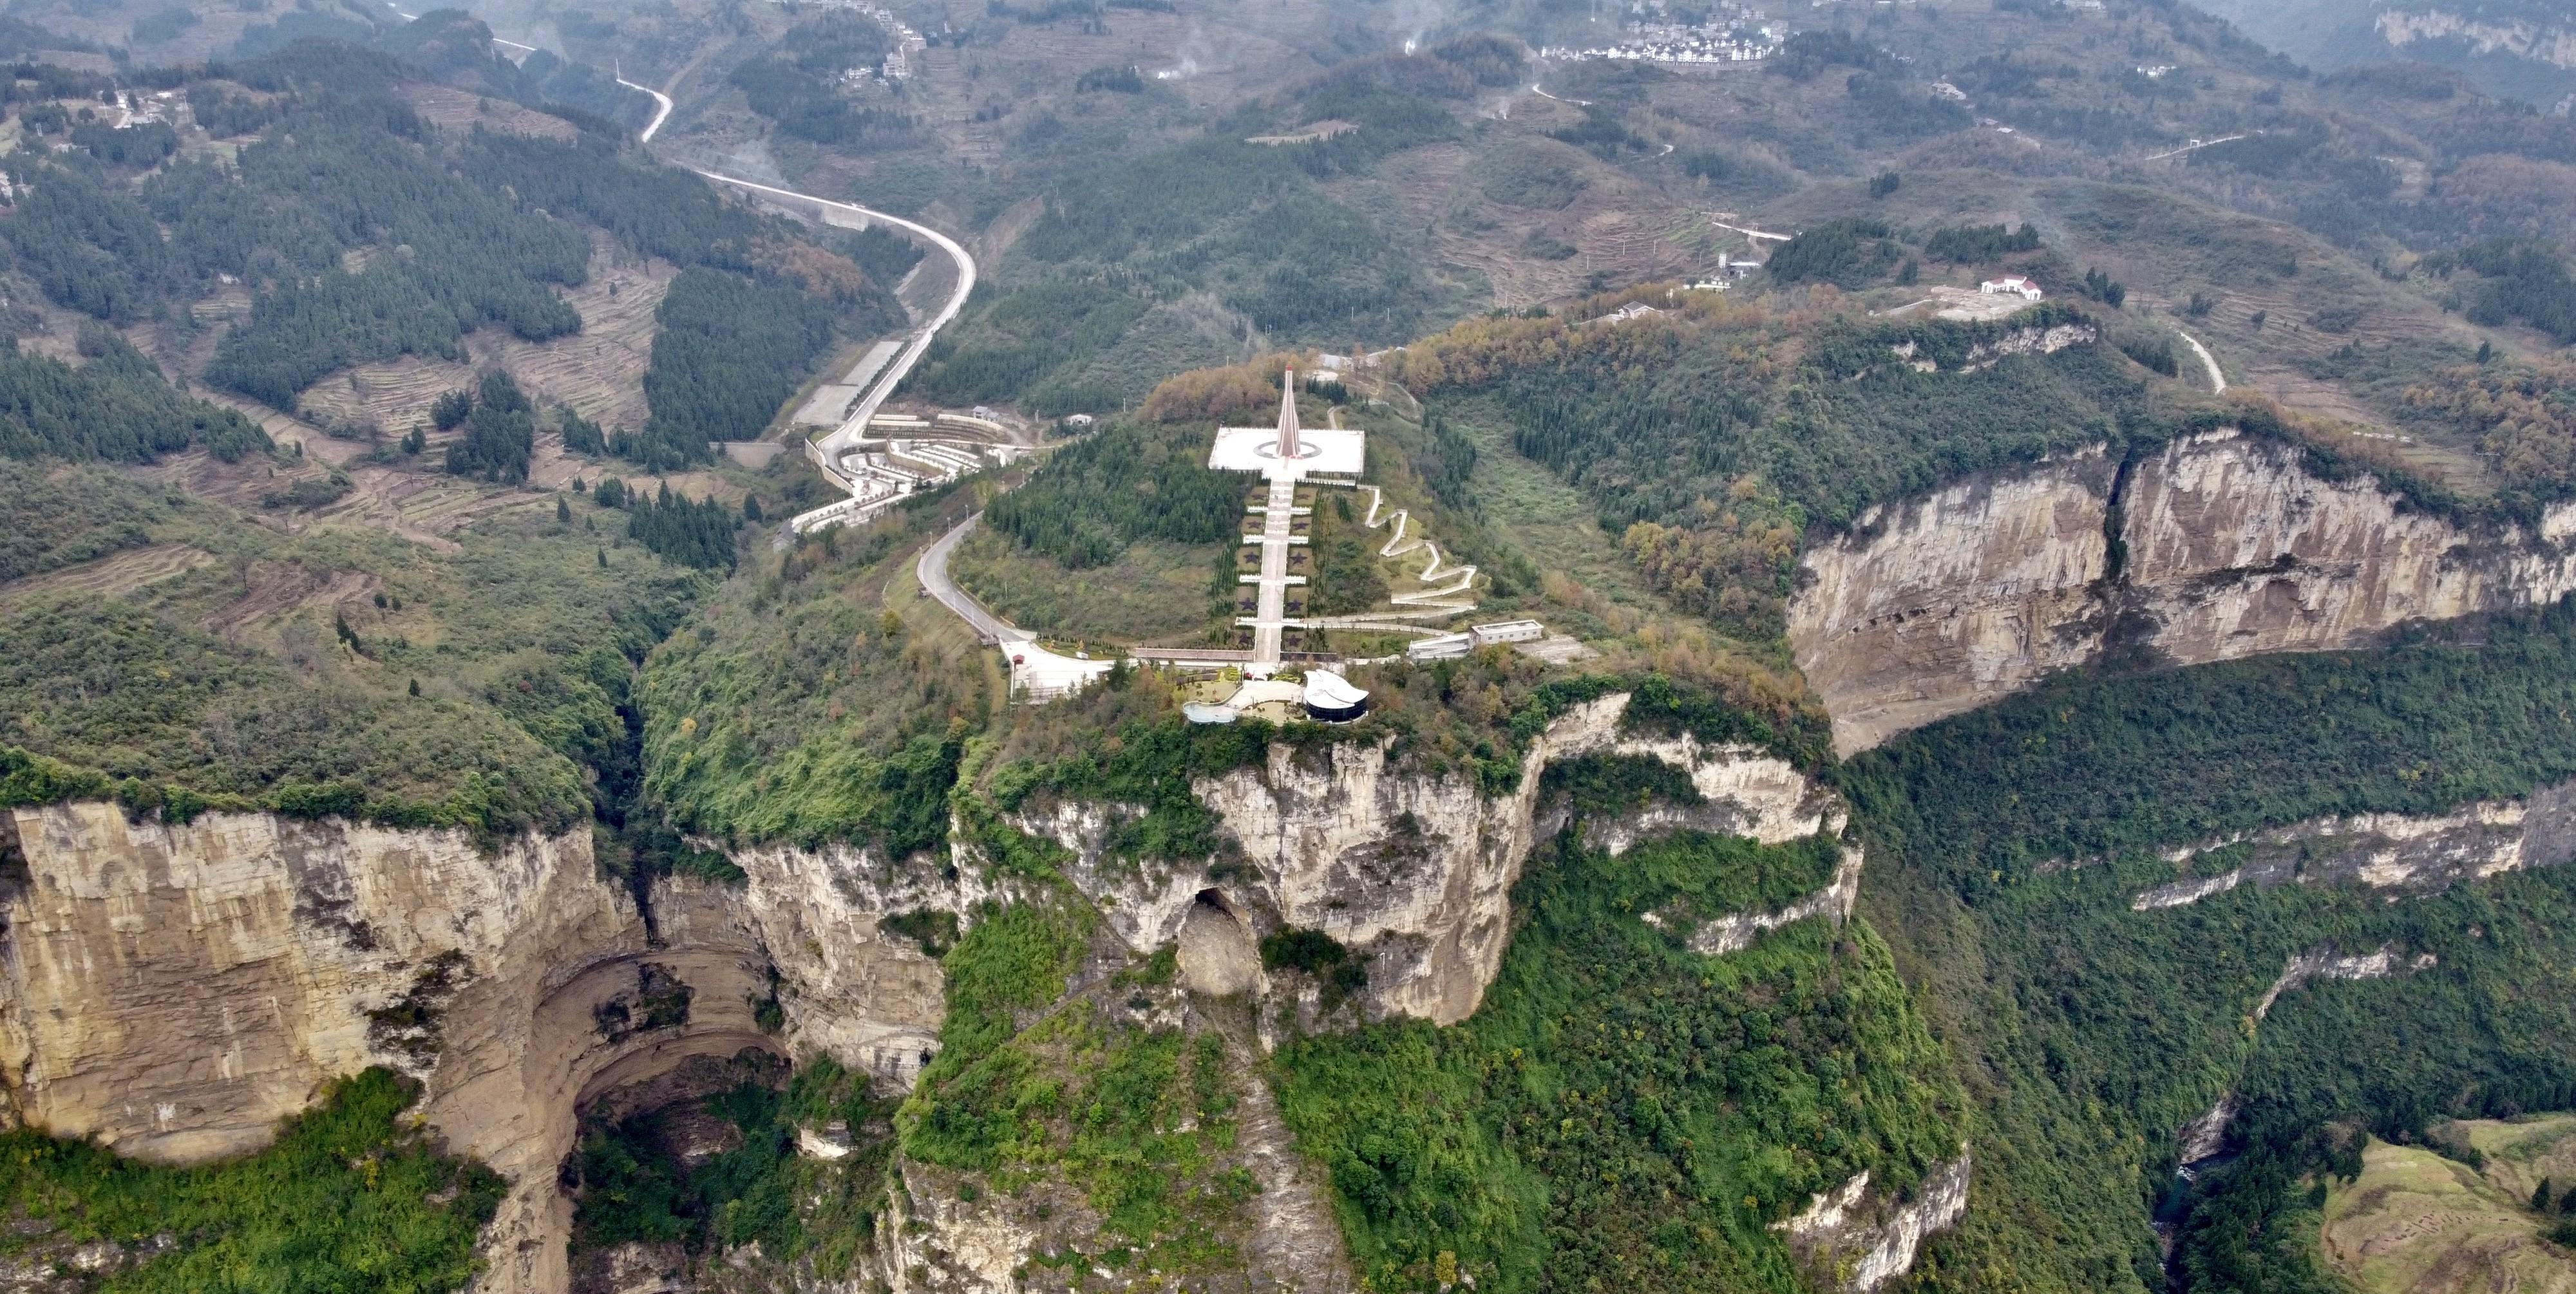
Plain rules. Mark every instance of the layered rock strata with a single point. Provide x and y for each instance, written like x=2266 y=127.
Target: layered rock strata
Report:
x=174 y=989
x=2226 y=546
x=1415 y=872
x=1856 y=1241
x=2389 y=850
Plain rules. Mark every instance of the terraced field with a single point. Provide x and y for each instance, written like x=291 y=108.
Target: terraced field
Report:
x=114 y=576
x=598 y=371
x=1615 y=224
x=449 y=108
x=2418 y=1223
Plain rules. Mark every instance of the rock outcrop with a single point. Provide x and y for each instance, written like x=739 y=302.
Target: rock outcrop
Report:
x=2326 y=963
x=173 y=990
x=1736 y=931
x=1416 y=872
x=1855 y=1241
x=2388 y=850
x=2227 y=546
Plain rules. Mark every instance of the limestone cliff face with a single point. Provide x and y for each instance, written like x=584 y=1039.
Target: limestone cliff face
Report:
x=1736 y=931
x=2389 y=850
x=1854 y=1240
x=2555 y=45
x=1417 y=871
x=849 y=988
x=1945 y=603
x=2230 y=547
x=173 y=990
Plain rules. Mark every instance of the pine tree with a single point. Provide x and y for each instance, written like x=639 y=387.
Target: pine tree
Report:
x=751 y=507
x=563 y=510
x=450 y=409
x=2540 y=1198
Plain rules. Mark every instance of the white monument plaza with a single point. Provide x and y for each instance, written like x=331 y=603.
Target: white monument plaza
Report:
x=1283 y=455
x=1288 y=452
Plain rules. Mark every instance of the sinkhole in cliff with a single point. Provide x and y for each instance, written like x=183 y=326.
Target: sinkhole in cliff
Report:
x=704 y=1163
x=1217 y=952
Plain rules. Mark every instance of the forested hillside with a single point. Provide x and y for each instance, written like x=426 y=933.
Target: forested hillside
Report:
x=370 y=459
x=2107 y=1029
x=363 y=233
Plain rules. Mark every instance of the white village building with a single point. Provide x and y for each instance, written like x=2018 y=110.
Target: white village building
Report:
x=2012 y=285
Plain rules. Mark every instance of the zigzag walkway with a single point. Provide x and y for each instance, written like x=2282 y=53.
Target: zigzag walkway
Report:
x=1462 y=577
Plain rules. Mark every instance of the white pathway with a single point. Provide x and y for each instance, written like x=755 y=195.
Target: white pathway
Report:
x=1270 y=612
x=1036 y=673
x=661 y=108
x=1459 y=579
x=2217 y=380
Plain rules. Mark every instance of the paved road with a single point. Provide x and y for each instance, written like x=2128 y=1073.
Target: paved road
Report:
x=1751 y=233
x=661 y=109
x=1032 y=667
x=2217 y=380
x=1036 y=673
x=844 y=437
x=2194 y=147
x=933 y=570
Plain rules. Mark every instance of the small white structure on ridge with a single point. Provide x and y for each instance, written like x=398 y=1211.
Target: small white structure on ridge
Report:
x=2011 y=285
x=1332 y=698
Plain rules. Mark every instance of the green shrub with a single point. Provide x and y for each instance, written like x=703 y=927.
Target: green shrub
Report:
x=1620 y=1103
x=969 y=1102
x=1095 y=497
x=346 y=1199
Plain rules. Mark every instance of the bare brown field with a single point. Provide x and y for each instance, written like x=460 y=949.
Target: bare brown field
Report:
x=277 y=591
x=1617 y=224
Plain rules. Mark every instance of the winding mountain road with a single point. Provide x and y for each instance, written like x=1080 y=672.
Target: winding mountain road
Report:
x=844 y=438
x=661 y=109
x=1035 y=671
x=2217 y=380
x=933 y=570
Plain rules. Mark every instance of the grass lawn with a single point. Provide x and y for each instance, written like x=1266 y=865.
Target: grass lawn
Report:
x=1154 y=591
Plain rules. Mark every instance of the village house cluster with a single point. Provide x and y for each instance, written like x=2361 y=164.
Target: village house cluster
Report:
x=1730 y=34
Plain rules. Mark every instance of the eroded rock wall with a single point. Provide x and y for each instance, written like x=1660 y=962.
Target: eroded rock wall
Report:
x=2229 y=546
x=1947 y=602
x=1854 y=1239
x=175 y=989
x=1417 y=872
x=2388 y=850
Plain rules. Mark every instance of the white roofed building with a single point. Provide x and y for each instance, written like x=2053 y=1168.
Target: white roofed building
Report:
x=1332 y=698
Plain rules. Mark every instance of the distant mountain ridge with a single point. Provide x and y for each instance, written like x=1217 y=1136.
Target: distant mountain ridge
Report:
x=2517 y=49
